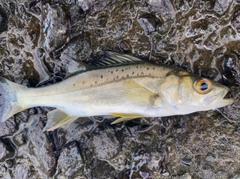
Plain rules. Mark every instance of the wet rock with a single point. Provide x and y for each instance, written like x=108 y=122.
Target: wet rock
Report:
x=84 y=4
x=70 y=163
x=76 y=15
x=55 y=27
x=20 y=139
x=95 y=5
x=105 y=145
x=4 y=173
x=197 y=28
x=125 y=46
x=101 y=169
x=24 y=171
x=164 y=170
x=3 y=20
x=186 y=160
x=221 y=6
x=124 y=174
x=231 y=70
x=149 y=23
x=6 y=150
x=184 y=176
x=210 y=158
x=35 y=6
x=9 y=163
x=236 y=21
x=236 y=176
x=146 y=165
x=8 y=127
x=59 y=139
x=41 y=148
x=221 y=174
x=163 y=8
x=21 y=172
x=207 y=174
x=78 y=49
x=119 y=162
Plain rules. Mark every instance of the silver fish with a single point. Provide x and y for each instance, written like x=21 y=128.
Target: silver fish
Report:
x=127 y=88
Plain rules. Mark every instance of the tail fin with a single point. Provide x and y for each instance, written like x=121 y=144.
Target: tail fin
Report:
x=8 y=99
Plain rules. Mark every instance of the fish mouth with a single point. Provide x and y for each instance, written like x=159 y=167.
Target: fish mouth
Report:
x=225 y=100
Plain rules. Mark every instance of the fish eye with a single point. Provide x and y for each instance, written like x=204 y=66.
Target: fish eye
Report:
x=203 y=86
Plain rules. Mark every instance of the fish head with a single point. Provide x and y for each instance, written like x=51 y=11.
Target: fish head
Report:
x=186 y=93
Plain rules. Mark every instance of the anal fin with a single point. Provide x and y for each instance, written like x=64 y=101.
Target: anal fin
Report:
x=56 y=119
x=125 y=117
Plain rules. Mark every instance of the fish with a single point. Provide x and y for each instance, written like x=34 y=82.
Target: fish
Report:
x=119 y=85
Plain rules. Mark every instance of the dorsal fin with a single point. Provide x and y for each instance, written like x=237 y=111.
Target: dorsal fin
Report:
x=108 y=59
x=74 y=66
x=114 y=59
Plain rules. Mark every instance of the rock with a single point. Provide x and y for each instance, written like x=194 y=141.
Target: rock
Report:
x=101 y=169
x=105 y=145
x=124 y=174
x=207 y=174
x=146 y=165
x=23 y=172
x=236 y=22
x=185 y=176
x=237 y=176
x=55 y=27
x=163 y=8
x=8 y=127
x=70 y=162
x=221 y=6
x=4 y=173
x=3 y=20
x=93 y=5
x=20 y=139
x=41 y=148
x=186 y=160
x=84 y=4
x=78 y=49
x=149 y=23
x=6 y=150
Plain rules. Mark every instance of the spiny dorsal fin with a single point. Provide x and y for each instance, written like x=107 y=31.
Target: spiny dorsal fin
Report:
x=74 y=66
x=113 y=59
x=108 y=59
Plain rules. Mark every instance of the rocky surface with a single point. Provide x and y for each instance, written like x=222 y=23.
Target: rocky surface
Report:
x=200 y=36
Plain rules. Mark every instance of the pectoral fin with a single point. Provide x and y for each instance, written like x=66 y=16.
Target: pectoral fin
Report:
x=125 y=116
x=139 y=94
x=57 y=118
